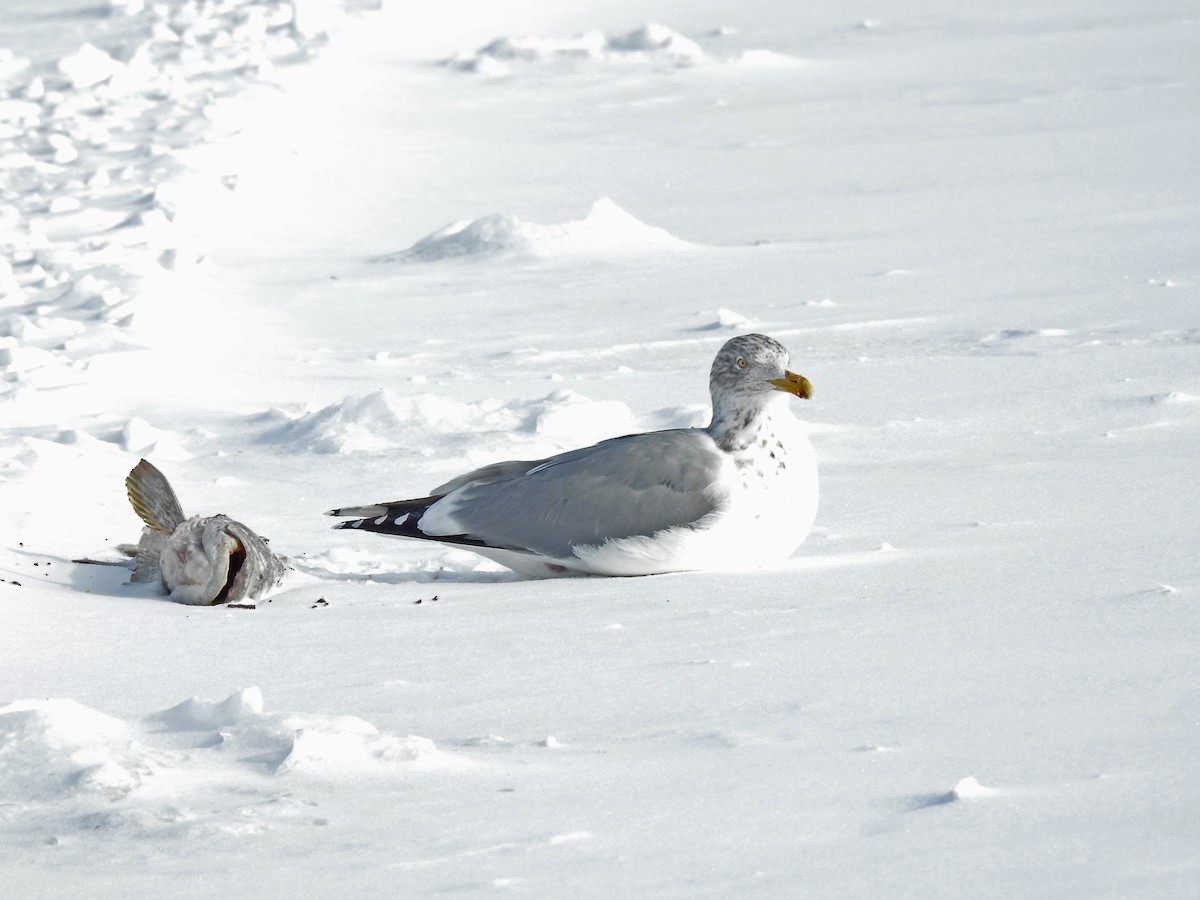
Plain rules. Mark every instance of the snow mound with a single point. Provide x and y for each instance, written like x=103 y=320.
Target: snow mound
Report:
x=660 y=41
x=285 y=742
x=651 y=43
x=139 y=438
x=62 y=762
x=1175 y=397
x=382 y=421
x=200 y=715
x=51 y=748
x=590 y=44
x=570 y=418
x=606 y=230
x=726 y=319
x=969 y=788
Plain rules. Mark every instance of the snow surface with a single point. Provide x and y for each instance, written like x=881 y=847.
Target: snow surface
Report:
x=225 y=248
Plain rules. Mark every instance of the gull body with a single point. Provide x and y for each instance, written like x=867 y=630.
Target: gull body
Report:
x=739 y=493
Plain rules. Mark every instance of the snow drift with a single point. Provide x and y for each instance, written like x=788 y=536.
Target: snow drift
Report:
x=651 y=43
x=605 y=230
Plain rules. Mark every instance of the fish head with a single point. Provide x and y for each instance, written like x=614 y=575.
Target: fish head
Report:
x=204 y=561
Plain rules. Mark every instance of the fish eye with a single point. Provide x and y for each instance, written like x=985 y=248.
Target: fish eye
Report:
x=741 y=362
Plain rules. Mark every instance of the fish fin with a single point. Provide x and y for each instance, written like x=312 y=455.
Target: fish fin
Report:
x=152 y=498
x=146 y=557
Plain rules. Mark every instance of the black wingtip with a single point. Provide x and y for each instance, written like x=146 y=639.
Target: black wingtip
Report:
x=400 y=519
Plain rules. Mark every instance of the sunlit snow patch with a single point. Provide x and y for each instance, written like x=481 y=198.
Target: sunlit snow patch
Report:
x=92 y=145
x=606 y=230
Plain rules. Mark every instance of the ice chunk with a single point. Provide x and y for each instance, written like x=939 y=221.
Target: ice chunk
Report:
x=88 y=66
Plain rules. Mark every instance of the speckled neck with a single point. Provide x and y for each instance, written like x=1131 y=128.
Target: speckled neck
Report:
x=737 y=427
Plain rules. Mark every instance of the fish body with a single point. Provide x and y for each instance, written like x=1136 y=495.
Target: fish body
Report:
x=201 y=560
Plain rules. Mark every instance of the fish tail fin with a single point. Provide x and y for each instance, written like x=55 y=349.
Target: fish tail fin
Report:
x=152 y=498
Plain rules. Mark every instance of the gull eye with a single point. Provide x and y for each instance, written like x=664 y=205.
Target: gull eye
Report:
x=741 y=362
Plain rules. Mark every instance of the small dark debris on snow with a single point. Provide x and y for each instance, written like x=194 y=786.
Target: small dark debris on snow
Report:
x=433 y=599
x=321 y=601
x=240 y=606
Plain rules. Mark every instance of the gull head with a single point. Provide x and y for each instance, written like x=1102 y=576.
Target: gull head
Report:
x=754 y=364
x=747 y=376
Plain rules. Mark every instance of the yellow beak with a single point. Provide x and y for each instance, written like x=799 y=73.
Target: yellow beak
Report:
x=793 y=384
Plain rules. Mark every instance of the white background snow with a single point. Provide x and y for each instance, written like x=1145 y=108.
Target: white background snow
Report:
x=306 y=254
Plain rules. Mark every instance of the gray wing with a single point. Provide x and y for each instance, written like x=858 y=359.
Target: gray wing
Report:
x=633 y=485
x=493 y=472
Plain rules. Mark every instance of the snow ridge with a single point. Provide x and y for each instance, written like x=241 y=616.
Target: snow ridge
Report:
x=383 y=421
x=605 y=230
x=650 y=43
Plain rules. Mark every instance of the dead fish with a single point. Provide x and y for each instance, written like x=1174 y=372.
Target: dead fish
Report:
x=202 y=560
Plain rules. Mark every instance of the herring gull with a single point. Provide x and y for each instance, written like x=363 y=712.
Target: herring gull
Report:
x=739 y=493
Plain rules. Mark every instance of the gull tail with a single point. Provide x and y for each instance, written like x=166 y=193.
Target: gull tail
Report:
x=152 y=498
x=400 y=518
